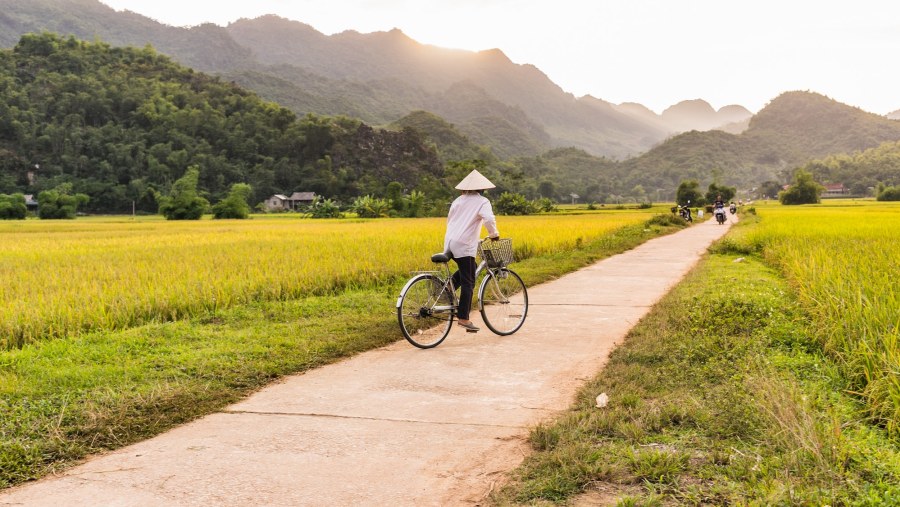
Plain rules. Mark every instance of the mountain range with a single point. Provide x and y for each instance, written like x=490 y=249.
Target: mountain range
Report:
x=380 y=77
x=791 y=130
x=530 y=134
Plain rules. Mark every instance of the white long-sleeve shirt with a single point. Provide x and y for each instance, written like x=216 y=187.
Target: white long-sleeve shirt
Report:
x=467 y=213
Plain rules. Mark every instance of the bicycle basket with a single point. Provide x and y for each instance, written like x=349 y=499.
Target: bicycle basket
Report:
x=496 y=253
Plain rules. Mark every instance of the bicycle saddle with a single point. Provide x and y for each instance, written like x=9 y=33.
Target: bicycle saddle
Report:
x=442 y=257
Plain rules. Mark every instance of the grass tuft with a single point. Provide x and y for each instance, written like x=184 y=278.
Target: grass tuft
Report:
x=661 y=466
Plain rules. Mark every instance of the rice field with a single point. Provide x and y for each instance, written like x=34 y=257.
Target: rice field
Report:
x=63 y=278
x=844 y=262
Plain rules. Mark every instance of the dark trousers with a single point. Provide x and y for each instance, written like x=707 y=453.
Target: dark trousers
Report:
x=464 y=279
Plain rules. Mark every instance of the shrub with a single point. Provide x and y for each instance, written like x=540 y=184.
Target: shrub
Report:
x=889 y=194
x=12 y=207
x=324 y=208
x=514 y=204
x=665 y=219
x=184 y=202
x=235 y=205
x=804 y=190
x=414 y=204
x=545 y=204
x=371 y=207
x=59 y=203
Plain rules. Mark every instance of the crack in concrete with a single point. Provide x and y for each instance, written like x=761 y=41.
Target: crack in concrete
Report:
x=530 y=304
x=358 y=417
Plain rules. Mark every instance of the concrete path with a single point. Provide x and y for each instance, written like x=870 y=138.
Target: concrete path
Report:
x=396 y=425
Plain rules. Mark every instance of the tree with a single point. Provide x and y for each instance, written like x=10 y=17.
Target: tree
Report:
x=639 y=194
x=714 y=190
x=689 y=193
x=769 y=189
x=394 y=194
x=804 y=190
x=235 y=205
x=12 y=207
x=547 y=189
x=184 y=203
x=456 y=170
x=59 y=203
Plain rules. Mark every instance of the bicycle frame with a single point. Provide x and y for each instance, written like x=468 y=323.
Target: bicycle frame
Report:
x=447 y=281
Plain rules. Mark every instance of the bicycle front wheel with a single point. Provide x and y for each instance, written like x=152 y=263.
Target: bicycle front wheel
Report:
x=425 y=311
x=504 y=301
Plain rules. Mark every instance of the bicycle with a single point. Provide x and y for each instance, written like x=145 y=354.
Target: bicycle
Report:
x=428 y=304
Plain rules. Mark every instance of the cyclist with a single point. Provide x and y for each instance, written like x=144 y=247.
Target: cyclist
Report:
x=467 y=213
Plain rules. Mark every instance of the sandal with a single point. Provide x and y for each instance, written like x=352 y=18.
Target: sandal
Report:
x=470 y=328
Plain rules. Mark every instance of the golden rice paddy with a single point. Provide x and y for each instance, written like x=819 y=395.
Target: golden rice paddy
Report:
x=62 y=278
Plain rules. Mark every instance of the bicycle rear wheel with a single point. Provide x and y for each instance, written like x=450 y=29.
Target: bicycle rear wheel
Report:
x=425 y=311
x=504 y=301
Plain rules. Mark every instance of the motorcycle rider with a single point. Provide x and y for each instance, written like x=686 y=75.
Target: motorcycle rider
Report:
x=685 y=212
x=720 y=203
x=719 y=207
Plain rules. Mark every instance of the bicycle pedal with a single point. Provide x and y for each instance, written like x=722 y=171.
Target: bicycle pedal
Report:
x=471 y=331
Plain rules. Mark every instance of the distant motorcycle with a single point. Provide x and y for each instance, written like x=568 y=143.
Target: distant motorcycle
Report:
x=720 y=215
x=732 y=208
x=685 y=213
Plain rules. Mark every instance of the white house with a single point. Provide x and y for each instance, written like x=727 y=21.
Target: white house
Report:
x=30 y=202
x=835 y=189
x=281 y=202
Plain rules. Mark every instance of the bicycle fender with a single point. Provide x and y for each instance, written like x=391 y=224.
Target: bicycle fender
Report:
x=406 y=287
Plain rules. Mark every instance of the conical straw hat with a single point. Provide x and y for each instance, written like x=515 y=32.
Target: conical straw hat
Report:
x=475 y=181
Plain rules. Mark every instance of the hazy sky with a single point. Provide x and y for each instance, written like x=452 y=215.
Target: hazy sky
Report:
x=656 y=52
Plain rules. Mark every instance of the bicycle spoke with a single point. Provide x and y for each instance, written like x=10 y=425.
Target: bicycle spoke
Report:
x=424 y=312
x=504 y=301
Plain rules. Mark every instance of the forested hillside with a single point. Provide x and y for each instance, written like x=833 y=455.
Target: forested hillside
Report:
x=862 y=170
x=450 y=143
x=791 y=130
x=377 y=77
x=798 y=126
x=562 y=172
x=120 y=124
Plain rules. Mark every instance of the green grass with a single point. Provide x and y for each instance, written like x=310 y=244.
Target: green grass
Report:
x=65 y=398
x=720 y=396
x=581 y=209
